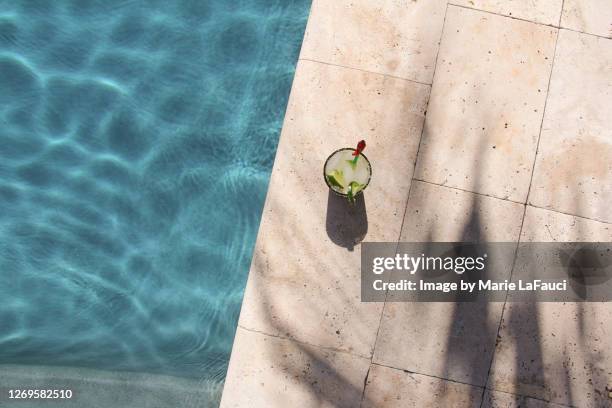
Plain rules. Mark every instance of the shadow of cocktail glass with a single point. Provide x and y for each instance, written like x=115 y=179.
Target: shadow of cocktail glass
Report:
x=346 y=223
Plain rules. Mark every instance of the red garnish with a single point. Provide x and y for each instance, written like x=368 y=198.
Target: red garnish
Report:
x=360 y=146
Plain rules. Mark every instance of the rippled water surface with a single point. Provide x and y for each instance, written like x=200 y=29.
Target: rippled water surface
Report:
x=136 y=143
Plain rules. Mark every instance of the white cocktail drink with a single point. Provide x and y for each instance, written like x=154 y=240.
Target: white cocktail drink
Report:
x=345 y=175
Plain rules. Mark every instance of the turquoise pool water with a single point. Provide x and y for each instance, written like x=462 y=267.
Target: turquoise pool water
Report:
x=136 y=144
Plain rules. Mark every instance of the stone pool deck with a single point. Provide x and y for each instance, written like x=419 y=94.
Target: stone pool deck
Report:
x=485 y=119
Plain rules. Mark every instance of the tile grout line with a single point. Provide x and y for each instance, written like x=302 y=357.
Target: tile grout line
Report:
x=407 y=197
x=428 y=375
x=570 y=214
x=558 y=26
x=467 y=191
x=503 y=15
x=305 y=343
x=548 y=402
x=535 y=158
x=501 y=316
x=511 y=201
x=582 y=32
x=365 y=70
x=468 y=384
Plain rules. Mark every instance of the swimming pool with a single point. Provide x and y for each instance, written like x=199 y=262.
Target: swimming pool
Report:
x=136 y=144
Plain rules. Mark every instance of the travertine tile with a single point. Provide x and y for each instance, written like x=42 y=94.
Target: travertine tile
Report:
x=539 y=11
x=588 y=16
x=443 y=214
x=573 y=172
x=485 y=109
x=396 y=37
x=542 y=225
x=278 y=373
x=391 y=388
x=558 y=352
x=304 y=282
x=497 y=399
x=447 y=340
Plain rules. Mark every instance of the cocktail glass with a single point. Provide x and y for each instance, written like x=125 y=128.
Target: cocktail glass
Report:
x=347 y=175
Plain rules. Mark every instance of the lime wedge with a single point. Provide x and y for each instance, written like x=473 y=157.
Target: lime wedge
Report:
x=336 y=179
x=354 y=188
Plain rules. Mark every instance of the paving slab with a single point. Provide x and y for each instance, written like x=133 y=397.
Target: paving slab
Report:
x=542 y=225
x=497 y=399
x=398 y=38
x=390 y=388
x=486 y=104
x=277 y=373
x=558 y=352
x=442 y=214
x=588 y=16
x=573 y=172
x=447 y=340
x=539 y=11
x=304 y=281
